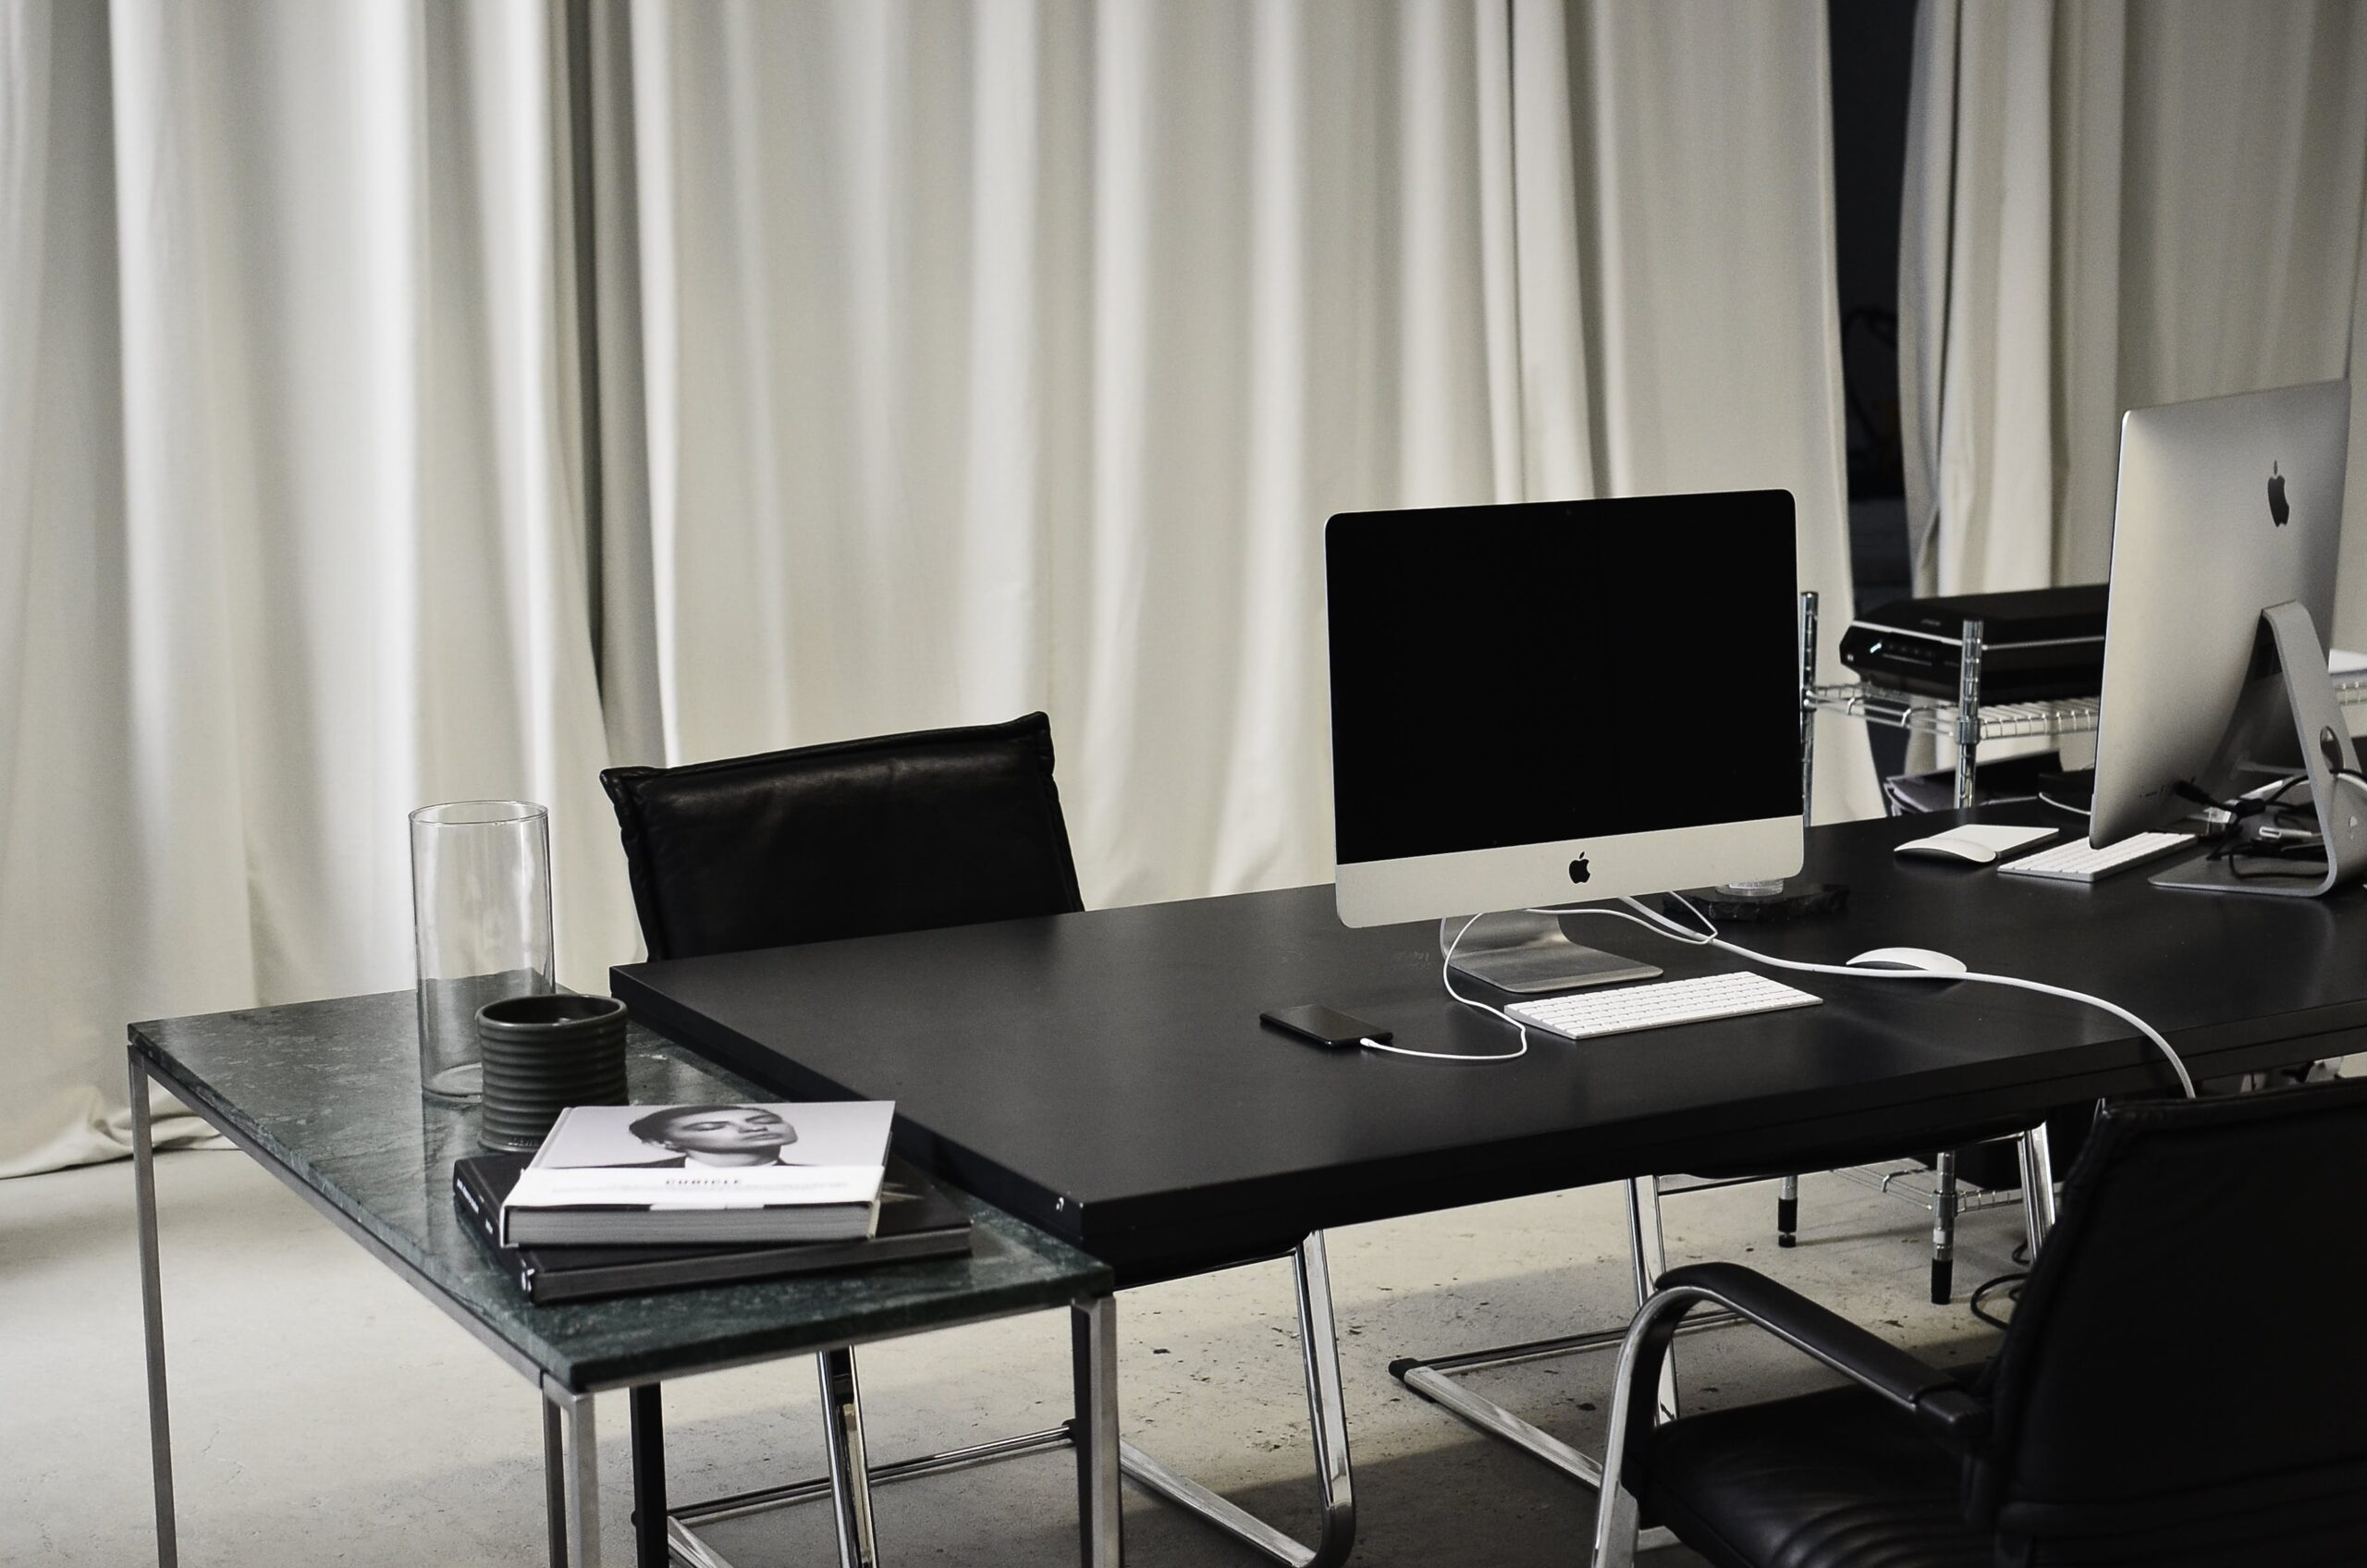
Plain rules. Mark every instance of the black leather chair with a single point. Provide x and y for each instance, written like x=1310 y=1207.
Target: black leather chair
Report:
x=2182 y=1384
x=856 y=839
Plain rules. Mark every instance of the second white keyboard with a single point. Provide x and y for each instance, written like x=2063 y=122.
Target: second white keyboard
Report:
x=1621 y=1009
x=2076 y=860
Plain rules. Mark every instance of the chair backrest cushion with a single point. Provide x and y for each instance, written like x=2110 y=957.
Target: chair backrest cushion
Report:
x=2184 y=1380
x=854 y=839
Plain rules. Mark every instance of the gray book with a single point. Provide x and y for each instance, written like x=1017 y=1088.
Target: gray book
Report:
x=916 y=1220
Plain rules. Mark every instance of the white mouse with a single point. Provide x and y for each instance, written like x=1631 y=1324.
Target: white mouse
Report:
x=1938 y=965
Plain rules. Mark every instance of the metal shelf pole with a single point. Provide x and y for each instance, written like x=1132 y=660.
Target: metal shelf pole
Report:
x=1808 y=706
x=1967 y=714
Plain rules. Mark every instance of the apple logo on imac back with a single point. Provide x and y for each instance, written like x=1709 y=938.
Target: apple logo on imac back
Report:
x=2278 y=506
x=1578 y=872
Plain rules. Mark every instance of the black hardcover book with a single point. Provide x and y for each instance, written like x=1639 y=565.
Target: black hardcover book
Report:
x=2036 y=643
x=915 y=1221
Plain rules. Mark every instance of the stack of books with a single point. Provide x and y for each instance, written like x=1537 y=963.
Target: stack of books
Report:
x=627 y=1198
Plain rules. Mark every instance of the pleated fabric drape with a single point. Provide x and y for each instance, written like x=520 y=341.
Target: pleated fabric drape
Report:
x=1000 y=356
x=2110 y=205
x=910 y=364
x=292 y=511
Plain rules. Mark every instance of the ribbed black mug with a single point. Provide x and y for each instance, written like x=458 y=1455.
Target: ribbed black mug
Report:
x=542 y=1054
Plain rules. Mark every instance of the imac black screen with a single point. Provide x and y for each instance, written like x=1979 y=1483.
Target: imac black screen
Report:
x=1532 y=673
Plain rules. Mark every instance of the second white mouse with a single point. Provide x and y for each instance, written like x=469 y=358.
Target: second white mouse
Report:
x=1938 y=965
x=1973 y=843
x=1946 y=848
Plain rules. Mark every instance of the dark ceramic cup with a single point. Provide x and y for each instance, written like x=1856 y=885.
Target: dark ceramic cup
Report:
x=542 y=1054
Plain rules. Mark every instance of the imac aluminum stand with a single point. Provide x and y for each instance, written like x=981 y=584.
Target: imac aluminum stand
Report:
x=1529 y=955
x=2340 y=804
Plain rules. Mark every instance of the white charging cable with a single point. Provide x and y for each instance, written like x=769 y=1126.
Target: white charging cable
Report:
x=1446 y=978
x=1652 y=920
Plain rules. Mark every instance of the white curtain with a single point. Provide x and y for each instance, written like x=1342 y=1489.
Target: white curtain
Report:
x=948 y=361
x=1003 y=355
x=290 y=511
x=2111 y=205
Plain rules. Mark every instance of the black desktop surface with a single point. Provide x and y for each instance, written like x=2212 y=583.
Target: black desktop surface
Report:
x=1105 y=1075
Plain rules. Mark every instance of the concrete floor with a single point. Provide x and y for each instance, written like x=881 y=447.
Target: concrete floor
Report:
x=324 y=1413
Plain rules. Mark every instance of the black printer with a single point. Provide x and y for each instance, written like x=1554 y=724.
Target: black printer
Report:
x=2037 y=642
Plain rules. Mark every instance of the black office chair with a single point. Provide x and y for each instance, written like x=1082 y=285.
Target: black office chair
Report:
x=856 y=839
x=2179 y=1386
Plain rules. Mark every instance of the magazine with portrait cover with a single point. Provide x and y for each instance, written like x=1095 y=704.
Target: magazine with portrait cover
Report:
x=627 y=1175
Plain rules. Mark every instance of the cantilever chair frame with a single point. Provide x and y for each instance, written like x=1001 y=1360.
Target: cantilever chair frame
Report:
x=851 y=1477
x=1434 y=1379
x=1804 y=1326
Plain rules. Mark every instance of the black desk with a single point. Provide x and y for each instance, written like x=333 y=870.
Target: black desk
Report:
x=1104 y=1075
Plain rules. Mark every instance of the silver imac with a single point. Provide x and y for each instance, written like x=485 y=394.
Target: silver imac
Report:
x=1544 y=702
x=2227 y=509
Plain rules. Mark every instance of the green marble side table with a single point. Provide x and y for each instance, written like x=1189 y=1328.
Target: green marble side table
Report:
x=325 y=1096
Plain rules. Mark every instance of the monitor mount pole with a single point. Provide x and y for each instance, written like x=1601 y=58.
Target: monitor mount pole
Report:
x=1786 y=898
x=1773 y=891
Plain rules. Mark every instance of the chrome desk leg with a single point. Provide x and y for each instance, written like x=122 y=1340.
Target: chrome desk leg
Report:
x=152 y=1308
x=1944 y=1228
x=1321 y=1349
x=687 y=1548
x=2038 y=1187
x=849 y=1470
x=1093 y=1340
x=1787 y=1212
x=1433 y=1378
x=553 y=1485
x=1649 y=1251
x=1319 y=1345
x=579 y=1474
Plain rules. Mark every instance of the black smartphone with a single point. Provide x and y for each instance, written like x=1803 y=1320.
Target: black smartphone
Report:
x=1322 y=1025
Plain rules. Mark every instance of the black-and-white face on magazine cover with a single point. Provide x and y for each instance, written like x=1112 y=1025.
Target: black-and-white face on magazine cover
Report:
x=718 y=1134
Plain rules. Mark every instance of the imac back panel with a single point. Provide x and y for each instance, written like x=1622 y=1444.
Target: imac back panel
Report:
x=2226 y=507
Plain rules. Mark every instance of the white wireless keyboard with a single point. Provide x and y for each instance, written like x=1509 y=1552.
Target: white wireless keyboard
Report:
x=2076 y=861
x=1621 y=1009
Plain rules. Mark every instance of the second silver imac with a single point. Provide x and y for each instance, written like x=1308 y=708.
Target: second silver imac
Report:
x=2226 y=508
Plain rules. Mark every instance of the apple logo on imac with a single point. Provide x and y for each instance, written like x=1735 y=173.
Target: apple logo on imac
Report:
x=2278 y=506
x=1578 y=872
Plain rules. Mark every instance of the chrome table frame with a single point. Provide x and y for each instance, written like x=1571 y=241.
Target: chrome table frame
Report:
x=1319 y=1353
x=1095 y=1347
x=1433 y=1378
x=570 y=1472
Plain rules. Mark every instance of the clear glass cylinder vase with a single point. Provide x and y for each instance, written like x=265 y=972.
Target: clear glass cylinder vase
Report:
x=480 y=909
